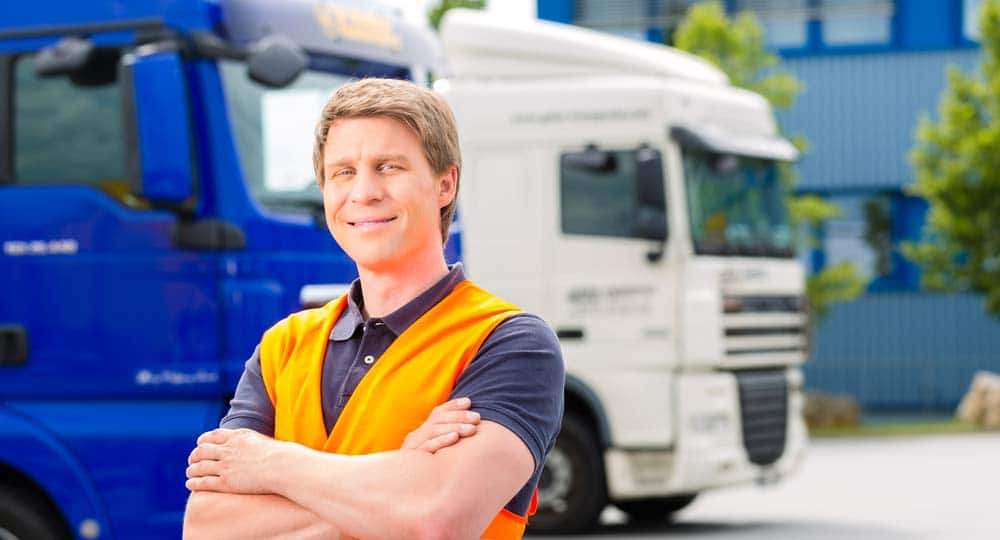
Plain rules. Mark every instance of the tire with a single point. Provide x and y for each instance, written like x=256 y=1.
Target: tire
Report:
x=655 y=509
x=25 y=517
x=572 y=490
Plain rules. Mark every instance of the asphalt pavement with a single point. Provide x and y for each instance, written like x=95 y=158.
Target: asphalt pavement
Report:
x=896 y=488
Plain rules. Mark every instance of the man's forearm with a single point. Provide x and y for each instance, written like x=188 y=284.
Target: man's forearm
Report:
x=385 y=495
x=453 y=493
x=213 y=515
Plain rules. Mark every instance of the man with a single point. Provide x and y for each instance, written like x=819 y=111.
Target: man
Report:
x=352 y=393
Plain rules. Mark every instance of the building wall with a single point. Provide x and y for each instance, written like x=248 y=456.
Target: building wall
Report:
x=859 y=112
x=904 y=351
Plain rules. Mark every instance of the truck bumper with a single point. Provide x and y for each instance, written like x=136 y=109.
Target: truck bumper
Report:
x=726 y=424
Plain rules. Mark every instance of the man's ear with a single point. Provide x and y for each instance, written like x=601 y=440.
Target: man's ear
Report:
x=447 y=186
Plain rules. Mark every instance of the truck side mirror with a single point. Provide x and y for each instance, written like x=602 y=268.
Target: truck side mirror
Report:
x=276 y=61
x=649 y=172
x=65 y=57
x=156 y=91
x=650 y=223
x=651 y=216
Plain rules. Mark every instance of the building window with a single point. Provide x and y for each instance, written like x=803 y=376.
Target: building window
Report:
x=841 y=22
x=856 y=22
x=631 y=18
x=844 y=237
x=877 y=214
x=785 y=22
x=970 y=19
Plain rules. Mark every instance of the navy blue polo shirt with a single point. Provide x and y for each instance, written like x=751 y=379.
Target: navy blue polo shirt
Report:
x=516 y=379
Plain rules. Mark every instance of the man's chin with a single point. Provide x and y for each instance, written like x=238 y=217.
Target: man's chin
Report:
x=382 y=260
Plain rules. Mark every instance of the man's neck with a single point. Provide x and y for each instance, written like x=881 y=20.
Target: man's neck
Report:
x=386 y=291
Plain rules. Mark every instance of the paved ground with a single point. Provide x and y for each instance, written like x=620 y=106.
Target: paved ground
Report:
x=929 y=487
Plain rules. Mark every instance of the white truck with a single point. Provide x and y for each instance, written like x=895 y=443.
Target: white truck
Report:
x=628 y=194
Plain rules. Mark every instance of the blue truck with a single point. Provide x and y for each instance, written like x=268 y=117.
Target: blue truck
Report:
x=157 y=213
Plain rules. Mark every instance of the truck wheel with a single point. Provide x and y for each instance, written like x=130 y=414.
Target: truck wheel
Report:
x=571 y=490
x=655 y=509
x=23 y=517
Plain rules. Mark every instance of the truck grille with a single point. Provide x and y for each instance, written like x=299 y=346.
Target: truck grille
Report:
x=764 y=330
x=764 y=413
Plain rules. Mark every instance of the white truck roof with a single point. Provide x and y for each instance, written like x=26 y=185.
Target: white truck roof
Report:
x=479 y=45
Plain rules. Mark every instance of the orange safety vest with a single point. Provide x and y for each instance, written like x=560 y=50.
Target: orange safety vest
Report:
x=415 y=374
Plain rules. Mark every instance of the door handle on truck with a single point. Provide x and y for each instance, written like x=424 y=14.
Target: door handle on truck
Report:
x=13 y=345
x=569 y=333
x=208 y=235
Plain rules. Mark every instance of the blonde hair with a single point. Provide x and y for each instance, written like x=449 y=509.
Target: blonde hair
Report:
x=423 y=111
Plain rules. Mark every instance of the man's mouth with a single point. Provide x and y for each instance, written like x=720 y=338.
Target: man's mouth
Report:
x=370 y=222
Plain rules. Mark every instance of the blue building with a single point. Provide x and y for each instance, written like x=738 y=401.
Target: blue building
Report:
x=869 y=68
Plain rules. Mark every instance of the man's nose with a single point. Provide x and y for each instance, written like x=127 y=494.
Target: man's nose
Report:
x=367 y=187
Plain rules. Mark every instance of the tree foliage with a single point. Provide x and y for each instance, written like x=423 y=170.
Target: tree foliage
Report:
x=436 y=13
x=737 y=47
x=836 y=283
x=956 y=163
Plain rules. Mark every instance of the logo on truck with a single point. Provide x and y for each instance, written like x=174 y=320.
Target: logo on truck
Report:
x=340 y=22
x=18 y=248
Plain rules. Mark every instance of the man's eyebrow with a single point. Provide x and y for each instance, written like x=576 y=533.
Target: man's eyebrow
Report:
x=392 y=157
x=378 y=158
x=337 y=162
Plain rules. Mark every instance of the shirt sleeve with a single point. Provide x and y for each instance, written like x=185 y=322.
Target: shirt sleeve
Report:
x=516 y=380
x=251 y=407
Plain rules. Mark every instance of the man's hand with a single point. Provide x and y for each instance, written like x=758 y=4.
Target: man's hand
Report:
x=447 y=424
x=231 y=461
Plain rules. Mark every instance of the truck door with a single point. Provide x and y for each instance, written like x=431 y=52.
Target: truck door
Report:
x=109 y=331
x=613 y=282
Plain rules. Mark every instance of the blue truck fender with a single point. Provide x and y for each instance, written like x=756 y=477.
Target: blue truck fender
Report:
x=29 y=450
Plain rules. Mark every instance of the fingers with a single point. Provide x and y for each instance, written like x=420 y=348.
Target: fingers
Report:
x=203 y=468
x=447 y=423
x=458 y=404
x=441 y=441
x=463 y=430
x=216 y=436
x=453 y=417
x=205 y=483
x=207 y=451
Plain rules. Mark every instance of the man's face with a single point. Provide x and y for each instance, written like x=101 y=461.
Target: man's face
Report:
x=381 y=198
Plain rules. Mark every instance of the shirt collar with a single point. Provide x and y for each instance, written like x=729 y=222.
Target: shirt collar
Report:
x=401 y=319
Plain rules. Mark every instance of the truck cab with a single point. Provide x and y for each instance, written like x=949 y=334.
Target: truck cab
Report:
x=630 y=195
x=158 y=211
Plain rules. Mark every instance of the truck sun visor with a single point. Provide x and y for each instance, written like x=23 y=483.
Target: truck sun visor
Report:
x=346 y=28
x=714 y=140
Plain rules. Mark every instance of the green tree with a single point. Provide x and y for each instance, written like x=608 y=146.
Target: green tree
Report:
x=436 y=13
x=956 y=163
x=736 y=46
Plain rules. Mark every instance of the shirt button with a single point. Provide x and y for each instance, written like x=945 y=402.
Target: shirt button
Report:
x=369 y=359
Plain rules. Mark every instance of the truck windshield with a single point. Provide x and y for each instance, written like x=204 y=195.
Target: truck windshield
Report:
x=273 y=129
x=736 y=205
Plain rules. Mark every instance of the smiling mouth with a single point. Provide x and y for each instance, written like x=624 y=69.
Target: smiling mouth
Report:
x=370 y=222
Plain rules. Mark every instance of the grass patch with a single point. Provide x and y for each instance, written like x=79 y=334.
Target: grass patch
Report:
x=894 y=429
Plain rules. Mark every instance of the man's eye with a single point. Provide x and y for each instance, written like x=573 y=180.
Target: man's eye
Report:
x=344 y=172
x=389 y=167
